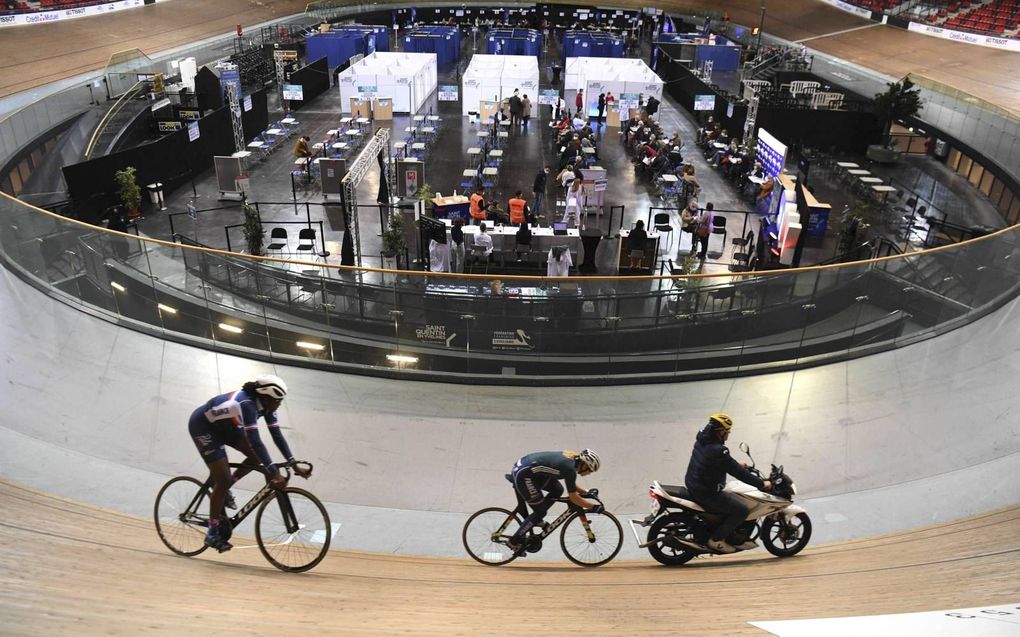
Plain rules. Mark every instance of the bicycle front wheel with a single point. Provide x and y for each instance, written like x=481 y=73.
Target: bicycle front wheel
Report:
x=179 y=522
x=293 y=530
x=486 y=534
x=591 y=539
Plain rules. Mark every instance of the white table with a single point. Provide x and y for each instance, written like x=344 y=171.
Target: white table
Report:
x=483 y=133
x=332 y=132
x=883 y=188
x=433 y=118
x=399 y=145
x=470 y=172
x=242 y=154
x=410 y=130
x=354 y=132
x=496 y=153
x=669 y=178
x=859 y=172
x=344 y=121
x=419 y=118
x=288 y=121
x=587 y=150
x=505 y=122
x=318 y=146
x=504 y=239
x=490 y=171
x=502 y=134
x=474 y=150
x=870 y=180
x=428 y=130
x=300 y=161
x=847 y=164
x=418 y=146
x=274 y=131
x=340 y=146
x=362 y=121
x=256 y=144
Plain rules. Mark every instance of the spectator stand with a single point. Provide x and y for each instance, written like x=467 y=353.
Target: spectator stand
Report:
x=592 y=44
x=341 y=43
x=513 y=42
x=442 y=40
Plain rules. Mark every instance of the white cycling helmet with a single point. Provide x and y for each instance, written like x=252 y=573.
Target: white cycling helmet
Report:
x=589 y=459
x=271 y=386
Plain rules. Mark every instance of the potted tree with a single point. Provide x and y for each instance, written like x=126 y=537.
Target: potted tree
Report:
x=393 y=244
x=900 y=101
x=253 y=232
x=128 y=191
x=853 y=230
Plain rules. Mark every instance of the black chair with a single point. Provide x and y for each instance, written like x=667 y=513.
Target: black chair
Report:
x=478 y=254
x=306 y=241
x=740 y=242
x=662 y=225
x=277 y=240
x=741 y=259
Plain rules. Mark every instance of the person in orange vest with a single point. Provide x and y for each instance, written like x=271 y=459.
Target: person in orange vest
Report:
x=518 y=209
x=477 y=208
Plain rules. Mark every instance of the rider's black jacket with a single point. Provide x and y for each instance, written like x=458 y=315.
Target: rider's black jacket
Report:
x=710 y=462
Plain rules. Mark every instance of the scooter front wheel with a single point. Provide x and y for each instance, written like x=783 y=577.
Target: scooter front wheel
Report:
x=785 y=538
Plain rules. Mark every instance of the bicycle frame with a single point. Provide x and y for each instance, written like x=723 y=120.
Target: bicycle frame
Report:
x=264 y=493
x=522 y=509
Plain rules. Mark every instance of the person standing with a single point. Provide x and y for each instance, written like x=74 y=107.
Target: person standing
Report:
x=636 y=241
x=515 y=109
x=602 y=108
x=457 y=249
x=538 y=189
x=525 y=109
x=579 y=103
x=704 y=229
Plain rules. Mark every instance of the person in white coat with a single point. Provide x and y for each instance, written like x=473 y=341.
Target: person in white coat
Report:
x=559 y=261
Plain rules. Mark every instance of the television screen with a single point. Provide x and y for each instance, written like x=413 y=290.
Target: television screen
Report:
x=704 y=102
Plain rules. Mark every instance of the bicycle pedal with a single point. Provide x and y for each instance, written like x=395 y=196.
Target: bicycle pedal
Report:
x=224 y=547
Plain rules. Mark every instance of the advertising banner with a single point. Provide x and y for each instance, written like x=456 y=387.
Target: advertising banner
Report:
x=66 y=14
x=1005 y=44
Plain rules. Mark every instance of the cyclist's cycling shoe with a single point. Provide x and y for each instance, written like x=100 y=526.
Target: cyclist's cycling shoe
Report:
x=228 y=500
x=215 y=539
x=519 y=550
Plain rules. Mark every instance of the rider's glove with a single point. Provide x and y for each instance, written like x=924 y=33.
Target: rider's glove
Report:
x=598 y=508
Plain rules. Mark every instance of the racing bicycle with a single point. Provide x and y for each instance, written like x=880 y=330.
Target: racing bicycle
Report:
x=292 y=527
x=587 y=539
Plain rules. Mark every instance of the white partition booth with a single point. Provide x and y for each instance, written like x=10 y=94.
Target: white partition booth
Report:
x=409 y=78
x=619 y=75
x=495 y=77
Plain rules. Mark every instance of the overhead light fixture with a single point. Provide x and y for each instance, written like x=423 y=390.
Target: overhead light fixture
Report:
x=117 y=286
x=312 y=346
x=227 y=327
x=401 y=358
x=166 y=308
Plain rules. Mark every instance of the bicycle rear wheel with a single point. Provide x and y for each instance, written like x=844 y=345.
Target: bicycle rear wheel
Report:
x=178 y=521
x=293 y=530
x=595 y=544
x=485 y=538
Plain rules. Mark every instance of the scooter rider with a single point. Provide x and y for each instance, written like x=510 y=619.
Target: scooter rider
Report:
x=706 y=477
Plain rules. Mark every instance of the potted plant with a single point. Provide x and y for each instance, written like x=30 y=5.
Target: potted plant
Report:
x=854 y=223
x=253 y=232
x=393 y=244
x=128 y=191
x=900 y=101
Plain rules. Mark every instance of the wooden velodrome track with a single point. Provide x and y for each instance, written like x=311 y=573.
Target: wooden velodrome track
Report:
x=67 y=568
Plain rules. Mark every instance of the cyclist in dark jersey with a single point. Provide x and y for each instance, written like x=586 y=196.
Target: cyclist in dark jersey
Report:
x=232 y=419
x=541 y=472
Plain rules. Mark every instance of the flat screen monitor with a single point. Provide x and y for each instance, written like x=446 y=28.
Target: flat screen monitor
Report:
x=559 y=228
x=704 y=102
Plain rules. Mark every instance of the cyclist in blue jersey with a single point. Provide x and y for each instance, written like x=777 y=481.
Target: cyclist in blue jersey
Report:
x=232 y=419
x=541 y=472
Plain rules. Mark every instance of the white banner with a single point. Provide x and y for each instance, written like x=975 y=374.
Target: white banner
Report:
x=849 y=8
x=38 y=17
x=1005 y=44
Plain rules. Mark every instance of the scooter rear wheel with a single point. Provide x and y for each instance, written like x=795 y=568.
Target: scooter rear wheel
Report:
x=669 y=552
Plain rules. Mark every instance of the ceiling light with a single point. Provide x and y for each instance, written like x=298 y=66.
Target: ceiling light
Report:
x=401 y=358
x=230 y=328
x=311 y=346
x=117 y=286
x=166 y=308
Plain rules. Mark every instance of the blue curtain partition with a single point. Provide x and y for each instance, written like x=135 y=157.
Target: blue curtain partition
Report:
x=342 y=43
x=444 y=41
x=578 y=44
x=513 y=42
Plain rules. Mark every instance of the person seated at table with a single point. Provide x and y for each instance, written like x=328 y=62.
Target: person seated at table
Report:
x=522 y=238
x=484 y=240
x=301 y=149
x=645 y=153
x=717 y=157
x=564 y=122
x=518 y=207
x=690 y=182
x=477 y=206
x=578 y=122
x=636 y=245
x=765 y=190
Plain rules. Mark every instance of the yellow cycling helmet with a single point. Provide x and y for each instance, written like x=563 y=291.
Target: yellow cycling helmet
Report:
x=720 y=421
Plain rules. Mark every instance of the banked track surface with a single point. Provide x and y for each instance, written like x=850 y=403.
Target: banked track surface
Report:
x=68 y=568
